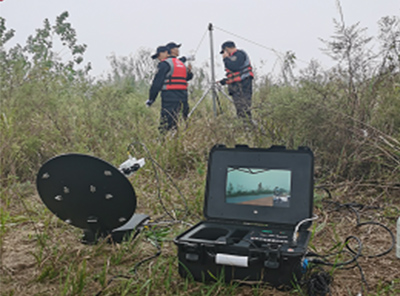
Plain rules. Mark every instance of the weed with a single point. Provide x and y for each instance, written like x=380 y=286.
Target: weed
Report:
x=351 y=124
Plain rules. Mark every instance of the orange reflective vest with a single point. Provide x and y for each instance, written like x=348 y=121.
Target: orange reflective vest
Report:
x=245 y=71
x=176 y=77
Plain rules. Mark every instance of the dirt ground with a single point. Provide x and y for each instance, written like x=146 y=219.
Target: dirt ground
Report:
x=20 y=268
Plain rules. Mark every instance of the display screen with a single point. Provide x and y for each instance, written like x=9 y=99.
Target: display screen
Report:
x=260 y=187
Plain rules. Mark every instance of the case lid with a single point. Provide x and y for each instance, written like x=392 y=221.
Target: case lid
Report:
x=268 y=186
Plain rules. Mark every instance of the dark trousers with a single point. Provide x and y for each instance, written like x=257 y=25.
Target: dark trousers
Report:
x=241 y=93
x=170 y=110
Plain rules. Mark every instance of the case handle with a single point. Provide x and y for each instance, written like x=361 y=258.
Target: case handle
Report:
x=232 y=260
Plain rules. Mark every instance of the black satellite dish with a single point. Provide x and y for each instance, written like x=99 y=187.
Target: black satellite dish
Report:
x=89 y=193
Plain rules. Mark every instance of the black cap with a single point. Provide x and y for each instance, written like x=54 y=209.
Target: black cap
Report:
x=226 y=44
x=158 y=51
x=172 y=45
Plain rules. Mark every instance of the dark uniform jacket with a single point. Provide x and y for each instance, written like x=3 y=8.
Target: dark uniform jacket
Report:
x=159 y=80
x=237 y=67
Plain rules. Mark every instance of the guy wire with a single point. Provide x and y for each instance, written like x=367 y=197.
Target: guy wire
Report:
x=250 y=41
x=279 y=54
x=201 y=41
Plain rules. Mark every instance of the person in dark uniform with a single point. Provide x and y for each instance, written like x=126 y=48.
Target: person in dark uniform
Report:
x=239 y=78
x=161 y=53
x=171 y=79
x=173 y=50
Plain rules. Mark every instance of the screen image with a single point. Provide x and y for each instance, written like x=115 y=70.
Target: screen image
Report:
x=260 y=187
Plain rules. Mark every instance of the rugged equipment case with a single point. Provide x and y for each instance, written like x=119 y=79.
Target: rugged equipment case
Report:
x=245 y=237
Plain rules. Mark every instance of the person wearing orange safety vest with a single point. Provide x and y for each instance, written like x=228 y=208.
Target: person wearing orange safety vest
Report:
x=239 y=77
x=171 y=80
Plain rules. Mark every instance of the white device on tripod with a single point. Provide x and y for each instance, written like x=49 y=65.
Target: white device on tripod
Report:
x=131 y=165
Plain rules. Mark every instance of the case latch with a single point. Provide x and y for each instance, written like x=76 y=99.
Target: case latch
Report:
x=192 y=257
x=273 y=256
x=192 y=252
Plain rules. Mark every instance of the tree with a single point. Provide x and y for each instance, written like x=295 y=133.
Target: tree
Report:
x=390 y=44
x=131 y=71
x=288 y=64
x=38 y=60
x=349 y=47
x=13 y=63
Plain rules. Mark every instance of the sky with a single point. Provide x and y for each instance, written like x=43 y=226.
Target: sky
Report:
x=265 y=29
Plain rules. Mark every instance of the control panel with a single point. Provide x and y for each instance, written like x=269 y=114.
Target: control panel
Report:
x=269 y=236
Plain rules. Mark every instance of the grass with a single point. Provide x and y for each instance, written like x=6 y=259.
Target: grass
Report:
x=41 y=255
x=56 y=263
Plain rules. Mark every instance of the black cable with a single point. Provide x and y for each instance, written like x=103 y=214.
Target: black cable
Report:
x=319 y=284
x=155 y=175
x=384 y=227
x=326 y=190
x=154 y=164
x=363 y=279
x=134 y=269
x=354 y=208
x=158 y=253
x=355 y=256
x=177 y=189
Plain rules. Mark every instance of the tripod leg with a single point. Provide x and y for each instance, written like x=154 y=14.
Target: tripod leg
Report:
x=219 y=104
x=221 y=90
x=199 y=101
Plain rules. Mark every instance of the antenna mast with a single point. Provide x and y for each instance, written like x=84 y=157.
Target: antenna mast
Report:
x=213 y=91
